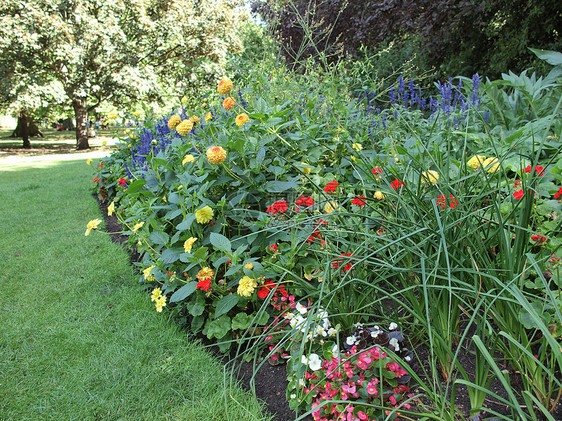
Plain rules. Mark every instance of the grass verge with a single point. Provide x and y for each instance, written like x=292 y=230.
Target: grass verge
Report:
x=78 y=337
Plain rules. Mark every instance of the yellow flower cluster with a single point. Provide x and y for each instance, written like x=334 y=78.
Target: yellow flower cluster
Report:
x=357 y=146
x=138 y=226
x=305 y=170
x=379 y=195
x=329 y=207
x=216 y=154
x=188 y=158
x=205 y=273
x=92 y=225
x=208 y=117
x=195 y=120
x=147 y=275
x=174 y=121
x=184 y=127
x=228 y=103
x=156 y=293
x=490 y=164
x=159 y=299
x=246 y=286
x=242 y=119
x=89 y=161
x=430 y=177
x=187 y=246
x=225 y=86
x=204 y=215
x=111 y=209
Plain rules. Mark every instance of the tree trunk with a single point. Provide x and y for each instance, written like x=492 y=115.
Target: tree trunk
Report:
x=22 y=119
x=81 y=113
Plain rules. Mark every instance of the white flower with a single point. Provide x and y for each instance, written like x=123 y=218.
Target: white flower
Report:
x=304 y=360
x=375 y=333
x=350 y=340
x=393 y=326
x=289 y=316
x=326 y=324
x=300 y=308
x=332 y=331
x=293 y=322
x=407 y=358
x=322 y=314
x=314 y=362
x=358 y=325
x=335 y=351
x=394 y=343
x=293 y=396
x=301 y=382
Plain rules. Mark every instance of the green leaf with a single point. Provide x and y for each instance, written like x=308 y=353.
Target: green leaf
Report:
x=197 y=306
x=218 y=328
x=184 y=292
x=172 y=214
x=225 y=304
x=220 y=261
x=159 y=237
x=135 y=186
x=233 y=270
x=241 y=321
x=196 y=323
x=551 y=57
x=186 y=223
x=279 y=186
x=220 y=242
x=171 y=255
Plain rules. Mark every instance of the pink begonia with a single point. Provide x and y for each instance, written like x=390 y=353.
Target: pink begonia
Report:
x=392 y=399
x=371 y=387
x=362 y=416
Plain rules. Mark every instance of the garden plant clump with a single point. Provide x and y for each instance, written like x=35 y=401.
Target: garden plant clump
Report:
x=290 y=218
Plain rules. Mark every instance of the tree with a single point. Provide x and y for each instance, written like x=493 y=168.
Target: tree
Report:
x=118 y=51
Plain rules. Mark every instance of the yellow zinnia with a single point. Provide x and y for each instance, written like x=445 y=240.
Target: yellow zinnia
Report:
x=228 y=103
x=379 y=195
x=204 y=215
x=330 y=207
x=357 y=146
x=216 y=154
x=147 y=275
x=156 y=293
x=491 y=164
x=194 y=119
x=225 y=86
x=476 y=161
x=242 y=119
x=246 y=286
x=160 y=302
x=305 y=170
x=205 y=273
x=208 y=117
x=184 y=127
x=89 y=161
x=92 y=225
x=187 y=246
x=188 y=158
x=430 y=176
x=111 y=209
x=174 y=121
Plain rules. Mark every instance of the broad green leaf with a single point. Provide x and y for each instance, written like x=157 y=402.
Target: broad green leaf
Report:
x=225 y=304
x=218 y=328
x=135 y=186
x=220 y=242
x=279 y=186
x=171 y=255
x=241 y=321
x=184 y=292
x=159 y=237
x=551 y=57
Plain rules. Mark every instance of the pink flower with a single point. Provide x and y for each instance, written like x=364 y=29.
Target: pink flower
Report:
x=371 y=388
x=362 y=416
x=392 y=399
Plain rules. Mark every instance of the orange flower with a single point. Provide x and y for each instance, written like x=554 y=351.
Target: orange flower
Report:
x=225 y=86
x=216 y=154
x=228 y=103
x=242 y=119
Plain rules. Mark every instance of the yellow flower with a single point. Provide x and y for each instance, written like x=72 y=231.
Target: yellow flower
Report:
x=189 y=244
x=225 y=86
x=228 y=103
x=246 y=286
x=174 y=121
x=208 y=117
x=204 y=215
x=476 y=161
x=112 y=115
x=160 y=302
x=188 y=158
x=88 y=161
x=353 y=158
x=305 y=170
x=379 y=195
x=92 y=225
x=194 y=119
x=357 y=146
x=216 y=154
x=156 y=293
x=184 y=99
x=138 y=226
x=104 y=142
x=329 y=207
x=429 y=176
x=491 y=164
x=249 y=265
x=111 y=209
x=205 y=273
x=136 y=114
x=147 y=275
x=242 y=119
x=184 y=127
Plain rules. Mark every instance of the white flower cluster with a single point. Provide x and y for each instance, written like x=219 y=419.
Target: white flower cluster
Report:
x=313 y=361
x=375 y=331
x=313 y=326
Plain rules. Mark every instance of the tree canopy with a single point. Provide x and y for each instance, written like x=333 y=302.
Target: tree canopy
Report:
x=84 y=52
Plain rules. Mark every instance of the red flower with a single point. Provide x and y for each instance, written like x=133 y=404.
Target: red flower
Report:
x=558 y=194
x=517 y=183
x=278 y=207
x=263 y=292
x=538 y=169
x=538 y=238
x=359 y=201
x=519 y=194
x=376 y=171
x=122 y=182
x=336 y=263
x=95 y=180
x=442 y=201
x=454 y=202
x=204 y=284
x=396 y=184
x=273 y=247
x=331 y=186
x=100 y=165
x=306 y=201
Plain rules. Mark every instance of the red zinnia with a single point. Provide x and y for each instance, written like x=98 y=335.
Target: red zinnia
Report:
x=204 y=284
x=396 y=184
x=538 y=169
x=377 y=171
x=359 y=201
x=442 y=201
x=519 y=194
x=331 y=186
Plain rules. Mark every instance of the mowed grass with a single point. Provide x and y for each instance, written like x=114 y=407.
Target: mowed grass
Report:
x=79 y=338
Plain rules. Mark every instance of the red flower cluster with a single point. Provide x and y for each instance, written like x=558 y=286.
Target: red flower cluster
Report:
x=304 y=201
x=337 y=263
x=316 y=233
x=519 y=194
x=278 y=207
x=359 y=201
x=376 y=171
x=96 y=180
x=269 y=285
x=122 y=182
x=442 y=201
x=396 y=184
x=204 y=284
x=538 y=169
x=331 y=187
x=538 y=238
x=558 y=194
x=273 y=248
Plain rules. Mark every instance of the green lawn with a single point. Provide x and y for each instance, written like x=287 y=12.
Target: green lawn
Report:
x=79 y=339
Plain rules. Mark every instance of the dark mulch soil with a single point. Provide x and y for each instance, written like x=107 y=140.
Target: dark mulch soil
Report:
x=270 y=381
